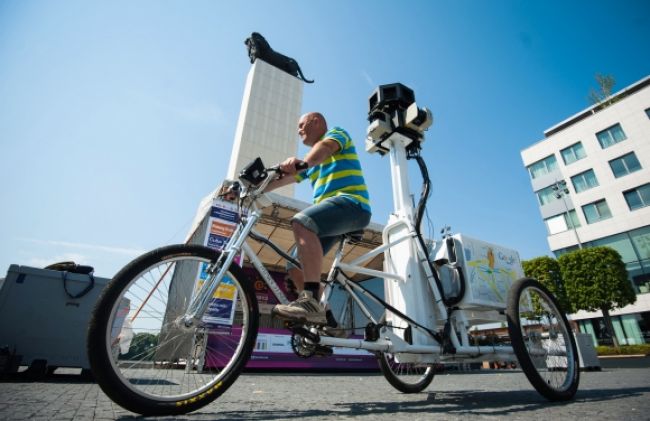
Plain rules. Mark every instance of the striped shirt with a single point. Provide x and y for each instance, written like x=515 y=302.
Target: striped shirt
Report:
x=340 y=174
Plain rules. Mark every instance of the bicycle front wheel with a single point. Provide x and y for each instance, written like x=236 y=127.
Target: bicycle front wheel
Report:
x=405 y=377
x=542 y=340
x=143 y=355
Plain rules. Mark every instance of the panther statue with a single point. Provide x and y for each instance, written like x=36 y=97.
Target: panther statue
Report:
x=258 y=47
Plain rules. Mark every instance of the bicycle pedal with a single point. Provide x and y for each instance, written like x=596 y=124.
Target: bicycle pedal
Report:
x=323 y=351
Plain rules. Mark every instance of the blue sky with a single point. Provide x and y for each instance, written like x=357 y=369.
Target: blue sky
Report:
x=117 y=118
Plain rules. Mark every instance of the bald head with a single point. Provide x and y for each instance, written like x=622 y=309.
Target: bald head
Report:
x=311 y=127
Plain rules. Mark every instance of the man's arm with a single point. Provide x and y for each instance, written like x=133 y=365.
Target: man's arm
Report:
x=321 y=151
x=280 y=182
x=318 y=153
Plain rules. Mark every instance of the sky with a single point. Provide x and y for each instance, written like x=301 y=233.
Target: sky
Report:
x=118 y=117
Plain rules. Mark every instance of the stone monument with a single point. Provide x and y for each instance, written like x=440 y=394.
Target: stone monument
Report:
x=270 y=110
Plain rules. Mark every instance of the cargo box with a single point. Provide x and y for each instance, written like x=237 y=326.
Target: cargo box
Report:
x=488 y=271
x=41 y=321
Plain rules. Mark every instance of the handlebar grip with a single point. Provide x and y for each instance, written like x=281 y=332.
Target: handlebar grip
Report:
x=302 y=166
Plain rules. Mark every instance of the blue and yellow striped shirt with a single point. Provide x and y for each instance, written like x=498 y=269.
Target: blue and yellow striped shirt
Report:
x=340 y=174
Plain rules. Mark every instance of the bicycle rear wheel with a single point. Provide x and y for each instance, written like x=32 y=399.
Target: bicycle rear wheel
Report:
x=405 y=377
x=141 y=353
x=542 y=340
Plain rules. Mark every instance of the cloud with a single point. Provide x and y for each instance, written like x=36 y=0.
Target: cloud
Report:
x=368 y=79
x=93 y=247
x=41 y=262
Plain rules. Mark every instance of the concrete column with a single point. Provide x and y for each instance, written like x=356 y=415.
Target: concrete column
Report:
x=268 y=120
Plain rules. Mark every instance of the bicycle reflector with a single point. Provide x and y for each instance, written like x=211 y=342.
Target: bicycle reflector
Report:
x=254 y=173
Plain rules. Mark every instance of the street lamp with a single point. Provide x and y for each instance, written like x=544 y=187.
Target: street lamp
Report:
x=561 y=191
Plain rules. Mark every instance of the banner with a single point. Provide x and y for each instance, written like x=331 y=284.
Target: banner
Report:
x=221 y=225
x=273 y=346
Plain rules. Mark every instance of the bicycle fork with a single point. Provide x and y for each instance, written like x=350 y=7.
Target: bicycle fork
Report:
x=217 y=270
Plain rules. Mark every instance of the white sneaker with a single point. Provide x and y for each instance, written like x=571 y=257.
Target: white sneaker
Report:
x=305 y=309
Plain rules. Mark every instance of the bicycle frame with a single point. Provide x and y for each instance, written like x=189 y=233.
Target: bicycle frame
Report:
x=426 y=344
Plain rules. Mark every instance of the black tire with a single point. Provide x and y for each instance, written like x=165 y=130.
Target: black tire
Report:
x=405 y=377
x=170 y=369
x=542 y=340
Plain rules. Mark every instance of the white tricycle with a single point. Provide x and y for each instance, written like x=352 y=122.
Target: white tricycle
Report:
x=179 y=360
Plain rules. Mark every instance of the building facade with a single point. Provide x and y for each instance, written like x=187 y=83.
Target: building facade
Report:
x=591 y=177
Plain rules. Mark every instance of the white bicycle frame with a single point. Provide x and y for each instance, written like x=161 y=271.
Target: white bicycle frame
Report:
x=417 y=294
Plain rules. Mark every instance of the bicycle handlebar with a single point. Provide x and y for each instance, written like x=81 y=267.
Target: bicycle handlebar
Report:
x=302 y=165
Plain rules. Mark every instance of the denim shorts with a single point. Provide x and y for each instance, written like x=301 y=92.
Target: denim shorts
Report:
x=330 y=219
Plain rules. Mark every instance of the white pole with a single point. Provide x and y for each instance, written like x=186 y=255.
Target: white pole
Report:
x=399 y=172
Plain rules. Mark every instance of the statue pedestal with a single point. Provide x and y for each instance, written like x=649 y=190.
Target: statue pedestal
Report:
x=268 y=120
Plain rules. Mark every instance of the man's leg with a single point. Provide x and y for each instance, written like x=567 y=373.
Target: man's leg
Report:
x=310 y=254
x=329 y=219
x=296 y=275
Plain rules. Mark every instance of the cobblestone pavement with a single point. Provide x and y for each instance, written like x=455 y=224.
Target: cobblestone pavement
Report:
x=620 y=394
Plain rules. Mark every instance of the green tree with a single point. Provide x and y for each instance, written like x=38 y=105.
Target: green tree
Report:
x=547 y=271
x=142 y=346
x=603 y=96
x=595 y=279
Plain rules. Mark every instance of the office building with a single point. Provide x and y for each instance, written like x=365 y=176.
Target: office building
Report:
x=591 y=177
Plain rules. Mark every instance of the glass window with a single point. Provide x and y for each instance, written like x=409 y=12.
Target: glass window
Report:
x=596 y=211
x=556 y=224
x=638 y=198
x=546 y=195
x=543 y=167
x=600 y=331
x=584 y=181
x=560 y=252
x=619 y=242
x=586 y=327
x=562 y=222
x=573 y=219
x=611 y=136
x=638 y=276
x=573 y=153
x=624 y=165
x=633 y=335
x=644 y=325
x=641 y=240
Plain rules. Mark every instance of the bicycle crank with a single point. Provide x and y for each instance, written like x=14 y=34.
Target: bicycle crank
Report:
x=304 y=344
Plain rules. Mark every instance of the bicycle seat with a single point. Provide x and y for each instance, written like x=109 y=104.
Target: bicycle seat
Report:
x=354 y=236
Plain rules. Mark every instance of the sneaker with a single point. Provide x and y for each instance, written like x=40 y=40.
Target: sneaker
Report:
x=305 y=309
x=336 y=332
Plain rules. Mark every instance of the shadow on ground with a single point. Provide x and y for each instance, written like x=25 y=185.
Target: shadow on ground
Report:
x=456 y=404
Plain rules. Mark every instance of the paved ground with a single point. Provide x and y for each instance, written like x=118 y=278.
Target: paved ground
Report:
x=620 y=394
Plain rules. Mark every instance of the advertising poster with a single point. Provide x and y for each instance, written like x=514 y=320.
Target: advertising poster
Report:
x=273 y=347
x=221 y=225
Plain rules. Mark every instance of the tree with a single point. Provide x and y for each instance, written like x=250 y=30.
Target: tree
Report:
x=547 y=271
x=595 y=279
x=603 y=96
x=142 y=346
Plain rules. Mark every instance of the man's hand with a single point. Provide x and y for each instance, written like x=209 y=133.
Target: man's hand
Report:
x=288 y=167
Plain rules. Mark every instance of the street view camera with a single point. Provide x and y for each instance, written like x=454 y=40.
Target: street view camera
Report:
x=392 y=109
